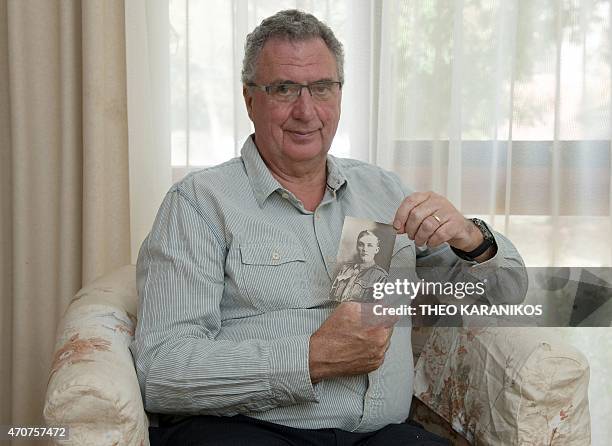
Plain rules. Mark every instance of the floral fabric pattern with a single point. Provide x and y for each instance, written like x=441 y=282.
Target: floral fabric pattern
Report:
x=77 y=350
x=505 y=386
x=92 y=383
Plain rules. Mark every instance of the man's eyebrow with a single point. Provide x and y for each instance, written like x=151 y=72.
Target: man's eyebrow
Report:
x=283 y=81
x=289 y=81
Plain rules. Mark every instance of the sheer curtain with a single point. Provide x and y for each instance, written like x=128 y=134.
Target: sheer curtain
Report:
x=209 y=123
x=504 y=106
x=148 y=98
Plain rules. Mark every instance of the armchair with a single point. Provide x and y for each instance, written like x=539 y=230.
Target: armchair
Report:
x=475 y=386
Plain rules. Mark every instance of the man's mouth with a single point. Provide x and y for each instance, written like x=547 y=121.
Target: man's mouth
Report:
x=302 y=132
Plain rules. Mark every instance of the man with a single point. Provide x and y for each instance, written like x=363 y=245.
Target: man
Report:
x=355 y=281
x=235 y=320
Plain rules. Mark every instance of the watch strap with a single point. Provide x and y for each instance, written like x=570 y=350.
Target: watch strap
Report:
x=487 y=242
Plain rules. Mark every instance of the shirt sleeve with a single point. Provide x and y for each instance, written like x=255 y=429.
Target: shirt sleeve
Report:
x=181 y=366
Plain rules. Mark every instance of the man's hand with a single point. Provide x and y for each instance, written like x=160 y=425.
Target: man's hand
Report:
x=430 y=219
x=347 y=344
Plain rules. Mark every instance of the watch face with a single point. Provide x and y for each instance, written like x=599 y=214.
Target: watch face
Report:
x=486 y=233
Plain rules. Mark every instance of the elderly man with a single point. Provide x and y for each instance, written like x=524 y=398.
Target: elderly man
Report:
x=237 y=336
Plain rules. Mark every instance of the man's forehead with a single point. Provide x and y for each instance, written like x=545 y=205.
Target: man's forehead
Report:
x=368 y=238
x=283 y=57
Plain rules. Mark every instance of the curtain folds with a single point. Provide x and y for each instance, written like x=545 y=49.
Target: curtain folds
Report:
x=64 y=160
x=503 y=107
x=148 y=98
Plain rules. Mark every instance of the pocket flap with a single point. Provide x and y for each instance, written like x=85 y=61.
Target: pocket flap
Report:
x=271 y=253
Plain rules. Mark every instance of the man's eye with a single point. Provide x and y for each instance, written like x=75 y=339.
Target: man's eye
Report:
x=284 y=89
x=322 y=88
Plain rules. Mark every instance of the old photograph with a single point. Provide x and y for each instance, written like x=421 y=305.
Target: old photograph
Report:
x=363 y=259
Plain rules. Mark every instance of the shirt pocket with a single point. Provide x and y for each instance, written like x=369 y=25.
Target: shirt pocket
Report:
x=273 y=275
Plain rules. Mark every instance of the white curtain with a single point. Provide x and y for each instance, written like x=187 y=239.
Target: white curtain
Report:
x=148 y=99
x=504 y=106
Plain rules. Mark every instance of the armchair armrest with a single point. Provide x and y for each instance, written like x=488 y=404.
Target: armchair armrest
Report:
x=92 y=388
x=500 y=386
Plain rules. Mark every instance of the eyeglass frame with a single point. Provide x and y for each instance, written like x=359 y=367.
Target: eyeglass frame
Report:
x=266 y=88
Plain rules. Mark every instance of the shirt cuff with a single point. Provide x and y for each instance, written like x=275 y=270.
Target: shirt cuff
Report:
x=506 y=256
x=289 y=372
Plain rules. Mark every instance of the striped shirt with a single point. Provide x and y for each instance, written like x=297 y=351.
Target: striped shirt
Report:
x=234 y=278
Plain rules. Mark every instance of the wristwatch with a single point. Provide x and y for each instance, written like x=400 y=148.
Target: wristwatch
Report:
x=487 y=242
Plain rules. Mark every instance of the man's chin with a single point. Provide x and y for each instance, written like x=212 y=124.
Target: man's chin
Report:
x=304 y=138
x=305 y=152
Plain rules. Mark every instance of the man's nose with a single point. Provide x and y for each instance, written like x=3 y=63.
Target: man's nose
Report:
x=303 y=107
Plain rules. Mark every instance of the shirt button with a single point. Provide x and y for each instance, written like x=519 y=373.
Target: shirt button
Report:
x=275 y=256
x=285 y=195
x=317 y=215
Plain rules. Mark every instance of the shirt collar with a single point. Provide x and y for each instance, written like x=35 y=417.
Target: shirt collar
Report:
x=262 y=181
x=264 y=184
x=335 y=176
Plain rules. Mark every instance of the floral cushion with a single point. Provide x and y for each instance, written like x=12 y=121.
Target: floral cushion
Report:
x=93 y=387
x=505 y=386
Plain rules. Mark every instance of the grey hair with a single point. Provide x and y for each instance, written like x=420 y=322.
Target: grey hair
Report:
x=293 y=25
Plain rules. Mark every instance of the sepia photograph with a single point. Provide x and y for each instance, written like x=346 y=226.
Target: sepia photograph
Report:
x=364 y=256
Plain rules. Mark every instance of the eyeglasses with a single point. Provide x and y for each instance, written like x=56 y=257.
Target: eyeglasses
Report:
x=289 y=92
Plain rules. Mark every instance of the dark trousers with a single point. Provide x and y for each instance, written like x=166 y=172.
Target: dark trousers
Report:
x=244 y=431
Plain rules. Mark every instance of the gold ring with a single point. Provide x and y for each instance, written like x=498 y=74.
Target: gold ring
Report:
x=437 y=218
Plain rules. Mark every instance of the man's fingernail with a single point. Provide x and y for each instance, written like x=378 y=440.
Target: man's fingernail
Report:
x=396 y=224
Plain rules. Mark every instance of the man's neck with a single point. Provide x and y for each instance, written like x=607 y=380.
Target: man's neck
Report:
x=305 y=180
x=309 y=189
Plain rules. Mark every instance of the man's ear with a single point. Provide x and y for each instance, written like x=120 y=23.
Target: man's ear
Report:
x=248 y=101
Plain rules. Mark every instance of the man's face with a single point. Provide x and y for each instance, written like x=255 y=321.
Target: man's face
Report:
x=367 y=247
x=294 y=132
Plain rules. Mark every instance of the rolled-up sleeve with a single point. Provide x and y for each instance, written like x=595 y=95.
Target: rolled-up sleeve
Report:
x=181 y=366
